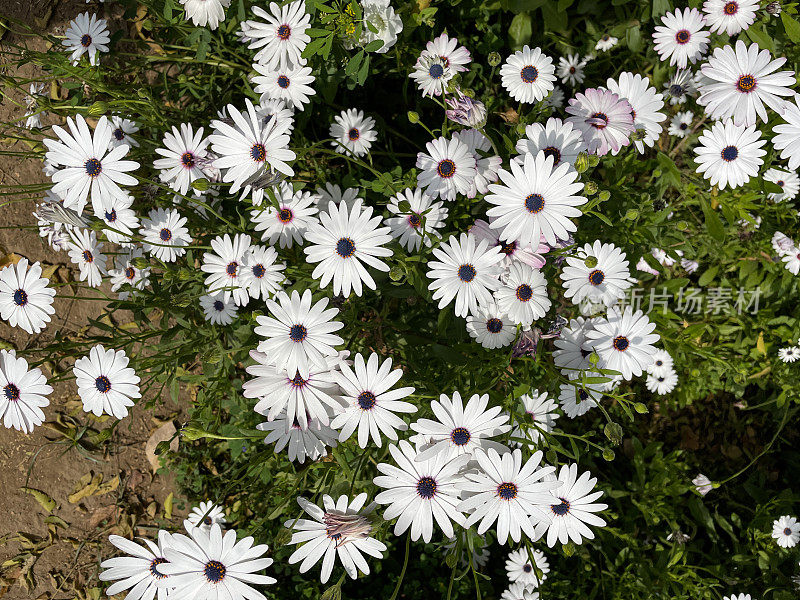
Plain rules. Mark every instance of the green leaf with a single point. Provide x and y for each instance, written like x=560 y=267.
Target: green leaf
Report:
x=520 y=30
x=708 y=276
x=315 y=33
x=791 y=26
x=713 y=223
x=313 y=47
x=354 y=63
x=553 y=19
x=373 y=46
x=364 y=71
x=45 y=501
x=633 y=38
x=519 y=6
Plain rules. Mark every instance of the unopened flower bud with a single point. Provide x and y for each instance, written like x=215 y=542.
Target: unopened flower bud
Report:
x=773 y=8
x=640 y=408
x=608 y=454
x=494 y=59
x=604 y=195
x=396 y=273
x=582 y=162
x=613 y=432
x=201 y=185
x=590 y=262
x=682 y=225
x=413 y=117
x=594 y=358
x=332 y=593
x=632 y=214
x=590 y=188
x=161 y=447
x=451 y=560
x=568 y=549
x=521 y=128
x=98 y=109
x=594 y=160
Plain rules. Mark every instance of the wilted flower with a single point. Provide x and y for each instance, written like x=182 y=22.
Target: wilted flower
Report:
x=466 y=111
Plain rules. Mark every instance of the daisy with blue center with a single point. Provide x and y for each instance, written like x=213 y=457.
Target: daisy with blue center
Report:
x=106 y=384
x=23 y=393
x=25 y=299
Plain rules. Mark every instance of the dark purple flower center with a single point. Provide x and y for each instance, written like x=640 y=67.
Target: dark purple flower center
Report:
x=93 y=167
x=731 y=8
x=285 y=215
x=231 y=268
x=297 y=333
x=460 y=436
x=187 y=160
x=494 y=325
x=283 y=81
x=534 y=203
x=111 y=216
x=154 y=567
x=353 y=134
x=258 y=153
x=366 y=400
x=554 y=152
x=426 y=487
x=729 y=153
x=621 y=343
x=596 y=277
x=165 y=235
x=524 y=292
x=529 y=74
x=466 y=273
x=746 y=84
x=11 y=392
x=102 y=384
x=446 y=168
x=214 y=571
x=560 y=509
x=683 y=36
x=284 y=31
x=345 y=247
x=507 y=491
x=20 y=297
x=259 y=271
x=436 y=71
x=86 y=40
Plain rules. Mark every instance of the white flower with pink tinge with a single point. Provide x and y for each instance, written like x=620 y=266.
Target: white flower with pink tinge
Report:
x=603 y=118
x=513 y=251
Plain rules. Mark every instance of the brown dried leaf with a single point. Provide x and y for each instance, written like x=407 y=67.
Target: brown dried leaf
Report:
x=87 y=486
x=162 y=434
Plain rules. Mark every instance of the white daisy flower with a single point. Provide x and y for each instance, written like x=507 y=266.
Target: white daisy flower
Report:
x=206 y=515
x=432 y=75
x=261 y=273
x=662 y=362
x=342 y=528
x=333 y=193
x=447 y=169
x=730 y=16
x=387 y=23
x=370 y=401
x=569 y=354
x=282 y=38
x=535 y=200
x=300 y=399
x=56 y=233
x=792 y=261
x=741 y=81
x=690 y=266
x=291 y=85
x=524 y=296
x=417 y=224
x=126 y=273
x=86 y=252
x=512 y=251
x=353 y=132
x=487 y=166
x=165 y=235
x=702 y=484
x=88 y=168
x=788 y=180
x=623 y=341
x=138 y=572
x=681 y=86
x=207 y=565
x=555 y=138
x=729 y=154
x=465 y=110
x=570 y=69
x=25 y=299
x=298 y=335
x=311 y=441
x=519 y=591
x=789 y=354
x=224 y=267
x=251 y=147
x=287 y=223
x=528 y=75
x=24 y=393
x=491 y=327
x=88 y=35
x=343 y=240
x=781 y=243
x=466 y=272
x=604 y=281
x=506 y=491
x=604 y=119
x=572 y=508
x=272 y=108
x=787 y=136
x=646 y=103
x=460 y=429
x=520 y=568
x=555 y=99
x=606 y=42
x=662 y=383
x=786 y=531
x=217 y=309
x=456 y=57
x=106 y=384
x=577 y=398
x=122 y=130
x=120 y=221
x=681 y=124
x=206 y=12
x=184 y=156
x=681 y=37
x=541 y=410
x=420 y=492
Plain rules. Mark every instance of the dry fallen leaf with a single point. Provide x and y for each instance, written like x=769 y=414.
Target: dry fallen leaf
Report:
x=87 y=485
x=45 y=501
x=162 y=434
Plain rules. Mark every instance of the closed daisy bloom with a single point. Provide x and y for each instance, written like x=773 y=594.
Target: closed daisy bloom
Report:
x=524 y=296
x=217 y=309
x=432 y=74
x=251 y=146
x=569 y=354
x=352 y=132
x=681 y=37
x=541 y=411
x=206 y=515
x=646 y=103
x=570 y=69
x=419 y=223
x=555 y=138
x=86 y=252
x=604 y=281
x=282 y=38
x=341 y=528
x=86 y=35
x=571 y=508
x=447 y=169
x=681 y=86
x=298 y=335
x=288 y=222
x=604 y=119
x=786 y=180
x=343 y=240
x=535 y=200
x=681 y=124
x=741 y=81
x=606 y=42
x=623 y=341
x=370 y=401
x=466 y=271
x=126 y=273
x=289 y=84
x=512 y=251
x=165 y=235
x=209 y=566
x=729 y=154
x=261 y=273
x=487 y=166
x=491 y=327
x=25 y=299
x=206 y=12
x=88 y=168
x=300 y=398
x=310 y=442
x=789 y=354
x=139 y=571
x=460 y=429
x=528 y=75
x=184 y=157
x=663 y=382
x=106 y=384
x=420 y=492
x=506 y=491
x=224 y=267
x=787 y=135
x=730 y=16
x=786 y=531
x=122 y=131
x=520 y=568
x=23 y=393
x=576 y=398
x=519 y=591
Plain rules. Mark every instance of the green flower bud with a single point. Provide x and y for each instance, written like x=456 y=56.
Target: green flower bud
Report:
x=451 y=560
x=521 y=129
x=613 y=432
x=590 y=188
x=608 y=454
x=632 y=214
x=98 y=109
x=590 y=262
x=604 y=195
x=551 y=456
x=494 y=59
x=140 y=262
x=594 y=358
x=413 y=117
x=682 y=226
x=640 y=408
x=582 y=162
x=191 y=434
x=568 y=549
x=332 y=593
x=396 y=273
x=594 y=160
x=201 y=185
